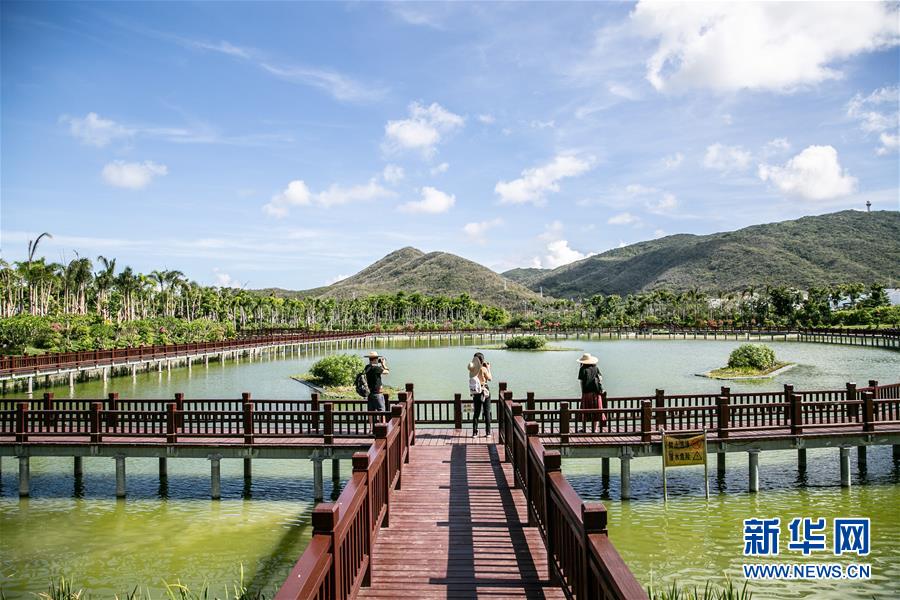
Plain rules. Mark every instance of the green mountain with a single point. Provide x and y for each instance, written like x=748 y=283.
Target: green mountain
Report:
x=525 y=275
x=842 y=247
x=436 y=273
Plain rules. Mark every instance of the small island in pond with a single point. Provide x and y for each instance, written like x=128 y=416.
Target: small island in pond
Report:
x=750 y=361
x=526 y=342
x=333 y=377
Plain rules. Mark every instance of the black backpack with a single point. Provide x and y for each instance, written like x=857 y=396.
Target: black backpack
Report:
x=362 y=385
x=597 y=381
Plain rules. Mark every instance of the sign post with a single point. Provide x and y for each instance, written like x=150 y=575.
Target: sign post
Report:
x=681 y=451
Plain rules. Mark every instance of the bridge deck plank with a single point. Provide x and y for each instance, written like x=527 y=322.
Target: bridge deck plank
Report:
x=458 y=527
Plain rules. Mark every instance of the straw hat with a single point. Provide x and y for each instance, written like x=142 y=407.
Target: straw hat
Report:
x=371 y=354
x=587 y=359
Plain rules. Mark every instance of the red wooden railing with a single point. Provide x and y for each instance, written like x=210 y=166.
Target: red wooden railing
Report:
x=851 y=408
x=11 y=365
x=338 y=559
x=581 y=557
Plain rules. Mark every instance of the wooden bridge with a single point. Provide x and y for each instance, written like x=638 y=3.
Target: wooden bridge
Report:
x=432 y=511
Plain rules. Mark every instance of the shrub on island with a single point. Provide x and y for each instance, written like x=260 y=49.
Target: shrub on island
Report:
x=526 y=342
x=337 y=370
x=752 y=356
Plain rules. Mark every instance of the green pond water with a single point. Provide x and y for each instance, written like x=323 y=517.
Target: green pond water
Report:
x=176 y=532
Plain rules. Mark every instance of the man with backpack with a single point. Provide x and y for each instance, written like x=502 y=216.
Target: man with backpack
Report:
x=371 y=378
x=591 y=388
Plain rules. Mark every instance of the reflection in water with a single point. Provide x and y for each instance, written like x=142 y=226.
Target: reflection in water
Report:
x=170 y=530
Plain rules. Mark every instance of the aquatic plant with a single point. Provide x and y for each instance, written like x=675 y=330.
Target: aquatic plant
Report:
x=725 y=591
x=526 y=342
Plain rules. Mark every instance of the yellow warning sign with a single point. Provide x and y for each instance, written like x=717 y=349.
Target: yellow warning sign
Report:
x=683 y=451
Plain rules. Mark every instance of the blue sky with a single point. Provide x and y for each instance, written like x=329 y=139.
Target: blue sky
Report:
x=291 y=144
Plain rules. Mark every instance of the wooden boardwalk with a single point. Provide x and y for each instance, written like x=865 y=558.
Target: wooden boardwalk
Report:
x=458 y=528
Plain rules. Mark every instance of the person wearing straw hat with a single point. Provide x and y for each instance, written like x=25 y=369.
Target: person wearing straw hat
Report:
x=479 y=375
x=591 y=387
x=374 y=370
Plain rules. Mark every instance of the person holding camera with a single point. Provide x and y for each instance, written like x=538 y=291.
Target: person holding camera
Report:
x=479 y=376
x=374 y=370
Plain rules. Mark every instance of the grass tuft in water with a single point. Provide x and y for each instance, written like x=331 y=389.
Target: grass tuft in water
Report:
x=726 y=591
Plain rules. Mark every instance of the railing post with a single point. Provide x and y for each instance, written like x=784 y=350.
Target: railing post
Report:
x=723 y=416
x=564 y=419
x=328 y=434
x=593 y=516
x=874 y=385
x=247 y=405
x=49 y=419
x=457 y=411
x=21 y=422
x=788 y=393
x=411 y=417
x=529 y=400
x=171 y=423
x=96 y=407
x=868 y=411
x=852 y=409
x=796 y=414
x=660 y=402
x=179 y=407
x=552 y=464
x=646 y=412
x=314 y=407
x=324 y=520
x=112 y=419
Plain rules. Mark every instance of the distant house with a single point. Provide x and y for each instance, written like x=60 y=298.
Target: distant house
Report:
x=893 y=295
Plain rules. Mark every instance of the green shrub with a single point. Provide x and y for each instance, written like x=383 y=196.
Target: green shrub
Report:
x=526 y=342
x=337 y=369
x=752 y=356
x=711 y=591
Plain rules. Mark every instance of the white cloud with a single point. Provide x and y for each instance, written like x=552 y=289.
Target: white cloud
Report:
x=537 y=181
x=658 y=233
x=133 y=176
x=776 y=146
x=423 y=130
x=778 y=46
x=879 y=112
x=625 y=218
x=665 y=204
x=336 y=278
x=726 y=158
x=298 y=194
x=441 y=168
x=814 y=174
x=535 y=124
x=393 y=173
x=337 y=194
x=487 y=119
x=433 y=201
x=477 y=230
x=636 y=189
x=94 y=130
x=622 y=91
x=622 y=244
x=225 y=280
x=559 y=253
x=673 y=161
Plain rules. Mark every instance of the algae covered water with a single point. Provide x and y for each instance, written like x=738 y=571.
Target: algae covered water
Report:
x=174 y=532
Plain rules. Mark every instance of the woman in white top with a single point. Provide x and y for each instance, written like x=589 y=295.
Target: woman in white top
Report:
x=479 y=376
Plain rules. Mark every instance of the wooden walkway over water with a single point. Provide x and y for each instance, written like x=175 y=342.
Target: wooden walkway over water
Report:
x=459 y=528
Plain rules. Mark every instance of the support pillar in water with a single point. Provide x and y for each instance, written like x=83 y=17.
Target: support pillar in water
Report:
x=248 y=468
x=845 y=467
x=896 y=451
x=24 y=476
x=861 y=452
x=335 y=473
x=78 y=467
x=720 y=464
x=215 y=474
x=71 y=379
x=318 y=492
x=625 y=475
x=604 y=469
x=163 y=467
x=120 y=477
x=801 y=459
x=754 y=470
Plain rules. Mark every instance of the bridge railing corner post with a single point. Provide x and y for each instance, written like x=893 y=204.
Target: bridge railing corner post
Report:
x=593 y=519
x=328 y=425
x=660 y=403
x=796 y=401
x=324 y=521
x=723 y=416
x=96 y=436
x=457 y=411
x=868 y=411
x=646 y=431
x=247 y=406
x=852 y=409
x=21 y=422
x=171 y=423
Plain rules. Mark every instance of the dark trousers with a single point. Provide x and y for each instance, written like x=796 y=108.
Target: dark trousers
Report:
x=482 y=404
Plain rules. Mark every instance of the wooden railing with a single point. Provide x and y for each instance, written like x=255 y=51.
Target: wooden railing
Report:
x=580 y=555
x=168 y=421
x=338 y=559
x=851 y=408
x=98 y=358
